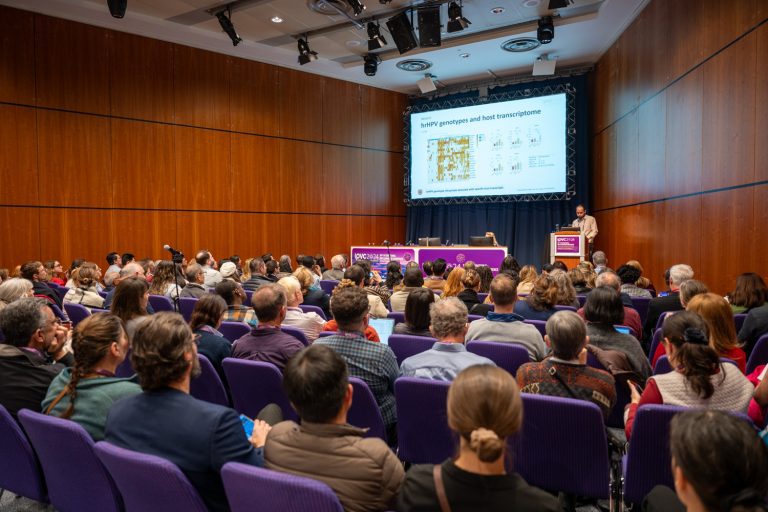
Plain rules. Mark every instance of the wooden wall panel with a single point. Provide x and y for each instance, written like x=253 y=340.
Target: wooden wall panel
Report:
x=652 y=61
x=382 y=178
x=382 y=119
x=759 y=236
x=17 y=56
x=201 y=88
x=20 y=228
x=626 y=184
x=255 y=168
x=73 y=159
x=69 y=233
x=344 y=186
x=145 y=232
x=141 y=77
x=18 y=164
x=679 y=240
x=723 y=22
x=213 y=231
x=253 y=97
x=143 y=170
x=336 y=235
x=203 y=170
x=300 y=105
x=297 y=185
x=342 y=113
x=71 y=66
x=652 y=119
x=683 y=134
x=761 y=107
x=685 y=47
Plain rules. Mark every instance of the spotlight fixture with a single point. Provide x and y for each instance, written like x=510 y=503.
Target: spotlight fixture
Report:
x=357 y=6
x=375 y=39
x=456 y=22
x=371 y=64
x=305 y=54
x=117 y=7
x=559 y=4
x=546 y=31
x=225 y=21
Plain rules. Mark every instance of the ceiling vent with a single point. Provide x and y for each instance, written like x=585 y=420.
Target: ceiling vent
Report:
x=328 y=7
x=414 y=65
x=520 y=44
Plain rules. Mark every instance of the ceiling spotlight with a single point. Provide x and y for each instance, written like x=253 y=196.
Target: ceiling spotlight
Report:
x=375 y=39
x=227 y=26
x=546 y=31
x=456 y=22
x=371 y=64
x=559 y=4
x=305 y=54
x=117 y=7
x=276 y=19
x=357 y=6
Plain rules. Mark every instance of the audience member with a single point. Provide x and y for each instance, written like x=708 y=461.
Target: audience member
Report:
x=195 y=286
x=510 y=265
x=34 y=272
x=417 y=317
x=198 y=436
x=271 y=269
x=372 y=362
x=76 y=263
x=363 y=472
x=412 y=280
x=453 y=284
x=113 y=269
x=540 y=303
x=471 y=284
x=755 y=325
x=212 y=276
x=566 y=373
x=484 y=408
x=331 y=325
x=266 y=342
x=258 y=273
x=579 y=281
x=448 y=356
x=312 y=295
x=128 y=270
x=436 y=281
x=13 y=289
x=629 y=275
x=308 y=262
x=204 y=323
x=233 y=294
x=678 y=274
x=486 y=276
x=566 y=293
x=228 y=270
x=559 y=265
x=750 y=292
x=284 y=266
x=642 y=282
x=394 y=280
x=717 y=313
x=85 y=392
x=504 y=324
x=84 y=290
x=631 y=316
x=320 y=262
x=166 y=280
x=689 y=289
x=372 y=282
x=32 y=354
x=528 y=276
x=600 y=261
x=126 y=258
x=699 y=379
x=55 y=272
x=4 y=275
x=588 y=270
x=310 y=323
x=130 y=302
x=336 y=273
x=356 y=274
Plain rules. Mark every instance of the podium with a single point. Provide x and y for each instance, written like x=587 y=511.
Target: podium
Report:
x=568 y=247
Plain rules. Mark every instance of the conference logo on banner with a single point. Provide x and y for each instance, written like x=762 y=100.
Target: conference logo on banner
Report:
x=567 y=244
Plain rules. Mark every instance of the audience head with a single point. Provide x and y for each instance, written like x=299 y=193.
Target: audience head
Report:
x=577 y=277
x=131 y=269
x=486 y=276
x=304 y=276
x=509 y=263
x=691 y=288
x=267 y=257
x=678 y=274
x=320 y=260
x=257 y=266
x=208 y=311
x=28 y=322
x=126 y=258
x=718 y=315
x=413 y=277
x=292 y=289
x=195 y=274
x=356 y=274
x=543 y=296
x=338 y=261
x=719 y=460
x=164 y=352
x=33 y=271
x=484 y=408
x=628 y=274
x=566 y=334
x=14 y=289
x=394 y=274
x=642 y=282
x=566 y=293
x=316 y=382
x=307 y=261
x=350 y=308
x=604 y=306
x=599 y=259
x=686 y=340
x=439 y=267
x=503 y=290
x=546 y=268
x=53 y=268
x=366 y=266
x=750 y=291
x=271 y=267
x=469 y=265
x=165 y=274
x=4 y=274
x=528 y=274
x=113 y=258
x=608 y=278
x=269 y=303
x=471 y=280
x=448 y=320
x=203 y=258
x=453 y=284
x=231 y=291
x=228 y=270
x=417 y=306
x=429 y=268
x=559 y=265
x=284 y=265
x=85 y=277
x=130 y=299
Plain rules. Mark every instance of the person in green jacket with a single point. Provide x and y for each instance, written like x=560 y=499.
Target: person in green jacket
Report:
x=85 y=392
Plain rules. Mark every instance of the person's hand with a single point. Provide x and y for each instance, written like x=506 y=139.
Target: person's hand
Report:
x=316 y=269
x=376 y=279
x=260 y=431
x=57 y=348
x=634 y=393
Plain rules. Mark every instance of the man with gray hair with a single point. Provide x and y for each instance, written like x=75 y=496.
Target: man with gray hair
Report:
x=195 y=282
x=632 y=320
x=258 y=277
x=128 y=270
x=448 y=356
x=336 y=272
x=678 y=274
x=600 y=261
x=33 y=353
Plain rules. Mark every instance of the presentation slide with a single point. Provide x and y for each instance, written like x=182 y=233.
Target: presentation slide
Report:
x=504 y=148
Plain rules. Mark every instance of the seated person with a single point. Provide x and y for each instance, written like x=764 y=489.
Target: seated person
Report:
x=167 y=280
x=84 y=290
x=199 y=437
x=453 y=285
x=484 y=408
x=357 y=274
x=566 y=373
x=505 y=325
x=85 y=392
x=678 y=274
x=436 y=280
x=331 y=325
x=32 y=354
x=363 y=472
x=412 y=280
x=13 y=289
x=631 y=316
x=313 y=294
x=336 y=273
x=718 y=315
x=750 y=292
x=629 y=275
x=310 y=323
x=540 y=303
x=755 y=325
x=266 y=342
x=417 y=308
x=131 y=302
x=394 y=280
x=470 y=281
x=233 y=294
x=566 y=293
x=258 y=269
x=372 y=282
x=699 y=380
x=195 y=282
x=448 y=356
x=205 y=322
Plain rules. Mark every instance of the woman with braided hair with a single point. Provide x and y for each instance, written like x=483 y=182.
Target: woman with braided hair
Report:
x=699 y=379
x=484 y=408
x=85 y=392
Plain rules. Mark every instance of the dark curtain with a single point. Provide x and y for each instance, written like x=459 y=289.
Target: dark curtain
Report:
x=523 y=227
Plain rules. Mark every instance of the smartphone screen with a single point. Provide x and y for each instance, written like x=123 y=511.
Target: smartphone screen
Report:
x=247 y=425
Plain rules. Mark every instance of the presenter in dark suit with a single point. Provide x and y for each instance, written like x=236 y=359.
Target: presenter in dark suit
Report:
x=164 y=420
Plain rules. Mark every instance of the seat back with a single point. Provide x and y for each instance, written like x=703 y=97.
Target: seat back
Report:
x=161 y=303
x=75 y=477
x=664 y=366
x=125 y=369
x=398 y=316
x=563 y=307
x=482 y=296
x=296 y=333
x=253 y=385
x=759 y=354
x=738 y=320
x=660 y=321
x=541 y=325
x=641 y=305
x=365 y=412
x=325 y=334
x=472 y=318
x=405 y=345
x=423 y=435
x=328 y=286
x=509 y=356
x=623 y=395
x=308 y=308
x=187 y=306
x=148 y=482
x=582 y=300
x=252 y=489
x=234 y=330
x=208 y=386
x=76 y=312
x=248 y=296
x=20 y=470
x=573 y=460
x=657 y=336
x=60 y=290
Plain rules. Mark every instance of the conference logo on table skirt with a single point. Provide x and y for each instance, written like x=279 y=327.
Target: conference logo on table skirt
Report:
x=460 y=258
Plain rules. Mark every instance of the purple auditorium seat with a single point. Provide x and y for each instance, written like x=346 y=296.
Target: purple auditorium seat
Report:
x=296 y=333
x=234 y=330
x=308 y=308
x=759 y=354
x=663 y=365
x=187 y=306
x=252 y=489
x=208 y=386
x=325 y=334
x=582 y=300
x=482 y=296
x=76 y=312
x=654 y=343
x=328 y=286
x=641 y=305
x=61 y=290
x=472 y=318
x=248 y=295
x=738 y=321
x=125 y=369
x=20 y=471
x=561 y=307
x=397 y=316
x=253 y=385
x=161 y=303
x=562 y=446
x=405 y=345
x=660 y=321
x=148 y=482
x=423 y=435
x=623 y=395
x=541 y=325
x=58 y=312
x=509 y=356
x=365 y=412
x=77 y=481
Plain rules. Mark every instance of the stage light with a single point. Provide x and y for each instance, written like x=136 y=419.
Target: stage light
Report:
x=371 y=64
x=559 y=4
x=227 y=26
x=402 y=32
x=429 y=26
x=117 y=7
x=357 y=6
x=456 y=22
x=375 y=39
x=546 y=31
x=305 y=54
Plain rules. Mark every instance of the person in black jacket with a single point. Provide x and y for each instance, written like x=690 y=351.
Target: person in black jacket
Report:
x=35 y=271
x=678 y=274
x=206 y=319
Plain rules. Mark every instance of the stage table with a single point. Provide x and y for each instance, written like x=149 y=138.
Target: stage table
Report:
x=454 y=255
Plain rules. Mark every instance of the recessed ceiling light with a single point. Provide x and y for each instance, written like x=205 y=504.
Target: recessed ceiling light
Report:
x=464 y=55
x=531 y=3
x=497 y=10
x=277 y=19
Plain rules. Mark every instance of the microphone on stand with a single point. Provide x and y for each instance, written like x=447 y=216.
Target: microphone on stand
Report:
x=178 y=258
x=387 y=244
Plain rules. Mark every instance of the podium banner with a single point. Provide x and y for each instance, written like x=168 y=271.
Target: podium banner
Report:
x=566 y=245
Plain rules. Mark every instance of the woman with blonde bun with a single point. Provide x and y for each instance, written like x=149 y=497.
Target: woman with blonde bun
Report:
x=484 y=408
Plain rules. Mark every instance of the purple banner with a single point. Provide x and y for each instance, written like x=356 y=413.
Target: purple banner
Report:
x=379 y=256
x=457 y=256
x=567 y=244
